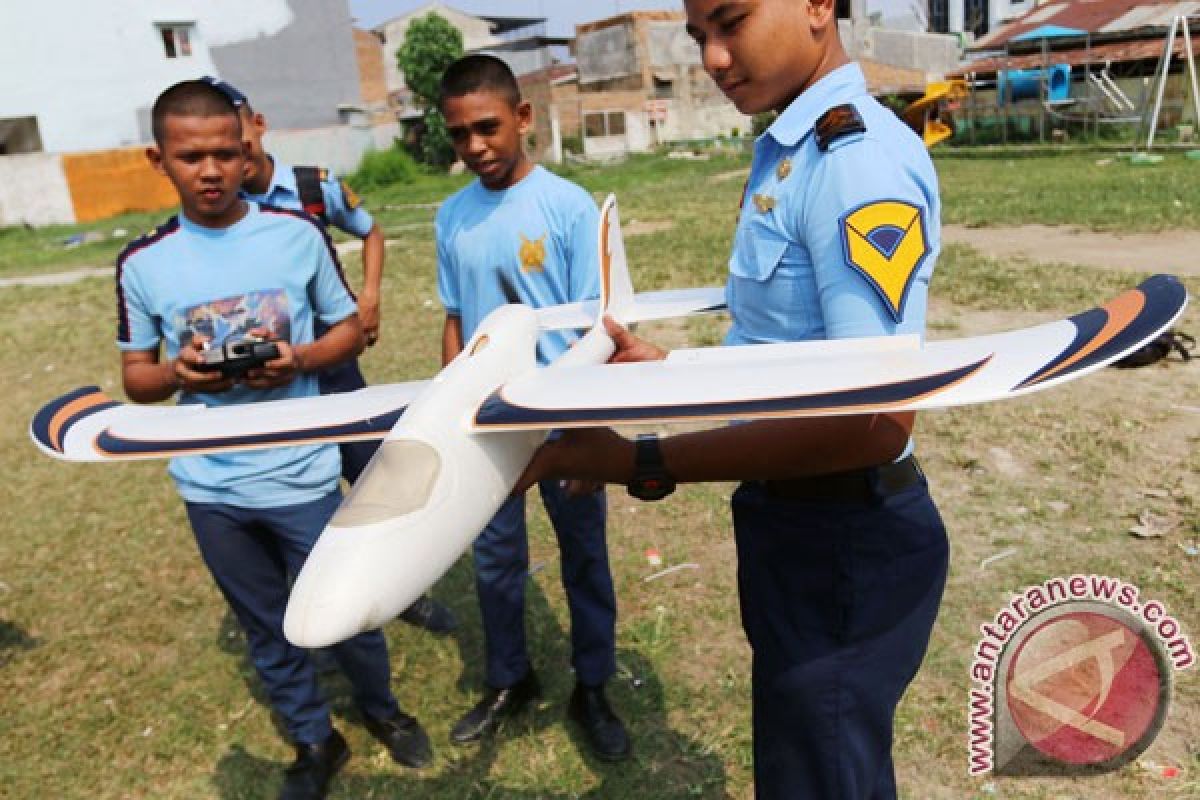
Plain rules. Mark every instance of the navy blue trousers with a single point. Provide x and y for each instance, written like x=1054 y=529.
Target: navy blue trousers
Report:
x=502 y=569
x=838 y=600
x=251 y=553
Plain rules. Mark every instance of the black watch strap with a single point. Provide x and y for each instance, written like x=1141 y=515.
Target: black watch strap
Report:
x=650 y=481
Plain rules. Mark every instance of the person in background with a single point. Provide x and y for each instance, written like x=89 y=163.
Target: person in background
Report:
x=521 y=229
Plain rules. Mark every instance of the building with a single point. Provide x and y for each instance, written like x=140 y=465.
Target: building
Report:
x=641 y=84
x=292 y=57
x=75 y=116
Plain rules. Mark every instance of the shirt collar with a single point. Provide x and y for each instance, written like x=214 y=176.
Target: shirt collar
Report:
x=835 y=88
x=283 y=178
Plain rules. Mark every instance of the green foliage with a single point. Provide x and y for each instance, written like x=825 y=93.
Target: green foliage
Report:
x=435 y=147
x=572 y=144
x=430 y=45
x=381 y=168
x=762 y=121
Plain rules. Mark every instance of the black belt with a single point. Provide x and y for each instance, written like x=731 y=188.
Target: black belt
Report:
x=858 y=485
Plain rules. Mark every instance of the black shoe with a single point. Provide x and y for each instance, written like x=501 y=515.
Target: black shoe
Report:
x=404 y=738
x=431 y=615
x=605 y=731
x=496 y=704
x=309 y=775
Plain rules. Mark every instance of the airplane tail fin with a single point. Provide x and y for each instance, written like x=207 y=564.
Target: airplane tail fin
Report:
x=616 y=287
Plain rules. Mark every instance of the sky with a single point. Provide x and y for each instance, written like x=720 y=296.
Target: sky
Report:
x=562 y=15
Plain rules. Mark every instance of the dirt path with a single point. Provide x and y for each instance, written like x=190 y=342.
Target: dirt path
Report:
x=1170 y=251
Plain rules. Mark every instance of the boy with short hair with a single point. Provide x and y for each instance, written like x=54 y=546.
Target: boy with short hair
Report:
x=842 y=555
x=522 y=229
x=318 y=192
x=224 y=268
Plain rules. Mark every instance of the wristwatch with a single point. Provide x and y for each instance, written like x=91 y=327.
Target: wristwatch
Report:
x=650 y=481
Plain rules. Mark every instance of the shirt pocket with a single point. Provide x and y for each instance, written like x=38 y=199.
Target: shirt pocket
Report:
x=758 y=251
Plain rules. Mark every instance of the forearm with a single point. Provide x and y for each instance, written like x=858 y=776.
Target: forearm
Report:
x=781 y=449
x=452 y=340
x=373 y=251
x=343 y=341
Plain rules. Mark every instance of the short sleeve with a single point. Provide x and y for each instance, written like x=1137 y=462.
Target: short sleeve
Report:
x=866 y=220
x=331 y=296
x=136 y=326
x=583 y=262
x=447 y=274
x=344 y=209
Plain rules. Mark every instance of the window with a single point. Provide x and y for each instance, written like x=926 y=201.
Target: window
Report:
x=604 y=123
x=177 y=39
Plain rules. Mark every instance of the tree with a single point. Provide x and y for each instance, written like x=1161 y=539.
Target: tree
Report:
x=430 y=45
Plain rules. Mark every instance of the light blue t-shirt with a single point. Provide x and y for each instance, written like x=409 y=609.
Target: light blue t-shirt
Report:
x=840 y=242
x=274 y=269
x=539 y=236
x=342 y=207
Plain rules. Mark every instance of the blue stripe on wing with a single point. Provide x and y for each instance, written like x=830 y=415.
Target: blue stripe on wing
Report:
x=497 y=411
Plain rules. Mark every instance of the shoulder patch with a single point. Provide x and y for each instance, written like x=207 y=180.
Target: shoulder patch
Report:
x=837 y=122
x=352 y=201
x=886 y=241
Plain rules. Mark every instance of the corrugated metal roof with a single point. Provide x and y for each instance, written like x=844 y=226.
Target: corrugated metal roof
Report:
x=1093 y=16
x=1151 y=16
x=1099 y=55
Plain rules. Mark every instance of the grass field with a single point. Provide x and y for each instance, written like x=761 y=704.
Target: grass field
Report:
x=121 y=676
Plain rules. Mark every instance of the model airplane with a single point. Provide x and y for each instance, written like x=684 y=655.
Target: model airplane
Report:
x=454 y=446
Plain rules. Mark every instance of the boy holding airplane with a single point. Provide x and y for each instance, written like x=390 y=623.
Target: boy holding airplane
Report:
x=842 y=554
x=520 y=233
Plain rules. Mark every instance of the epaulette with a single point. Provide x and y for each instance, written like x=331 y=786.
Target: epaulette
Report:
x=837 y=122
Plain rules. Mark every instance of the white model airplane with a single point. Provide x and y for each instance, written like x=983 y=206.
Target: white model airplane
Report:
x=454 y=446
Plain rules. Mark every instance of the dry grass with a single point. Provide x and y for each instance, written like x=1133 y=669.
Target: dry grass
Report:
x=119 y=677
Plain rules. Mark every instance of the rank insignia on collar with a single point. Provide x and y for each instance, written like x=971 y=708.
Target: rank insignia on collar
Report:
x=887 y=243
x=783 y=169
x=763 y=202
x=837 y=122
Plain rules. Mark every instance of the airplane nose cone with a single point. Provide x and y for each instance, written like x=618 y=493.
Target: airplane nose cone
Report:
x=327 y=605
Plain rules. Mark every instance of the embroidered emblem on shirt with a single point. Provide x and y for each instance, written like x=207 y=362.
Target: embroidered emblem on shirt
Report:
x=352 y=201
x=783 y=169
x=764 y=203
x=533 y=253
x=837 y=122
x=886 y=242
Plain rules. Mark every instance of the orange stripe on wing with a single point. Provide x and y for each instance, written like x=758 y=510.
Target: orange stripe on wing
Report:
x=68 y=411
x=605 y=259
x=1122 y=310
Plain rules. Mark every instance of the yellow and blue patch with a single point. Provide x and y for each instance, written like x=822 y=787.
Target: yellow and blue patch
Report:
x=885 y=240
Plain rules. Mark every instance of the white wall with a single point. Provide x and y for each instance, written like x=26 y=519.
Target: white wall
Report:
x=33 y=191
x=339 y=148
x=84 y=68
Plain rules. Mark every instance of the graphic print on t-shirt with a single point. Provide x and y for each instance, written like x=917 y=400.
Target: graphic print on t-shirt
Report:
x=263 y=314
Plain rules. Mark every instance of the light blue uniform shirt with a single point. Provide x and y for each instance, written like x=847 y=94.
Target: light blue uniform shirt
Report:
x=540 y=235
x=272 y=269
x=840 y=243
x=343 y=213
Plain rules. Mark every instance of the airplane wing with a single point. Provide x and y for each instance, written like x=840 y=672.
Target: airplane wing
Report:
x=850 y=376
x=87 y=425
x=646 y=306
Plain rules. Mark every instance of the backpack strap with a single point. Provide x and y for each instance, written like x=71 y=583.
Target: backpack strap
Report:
x=308 y=184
